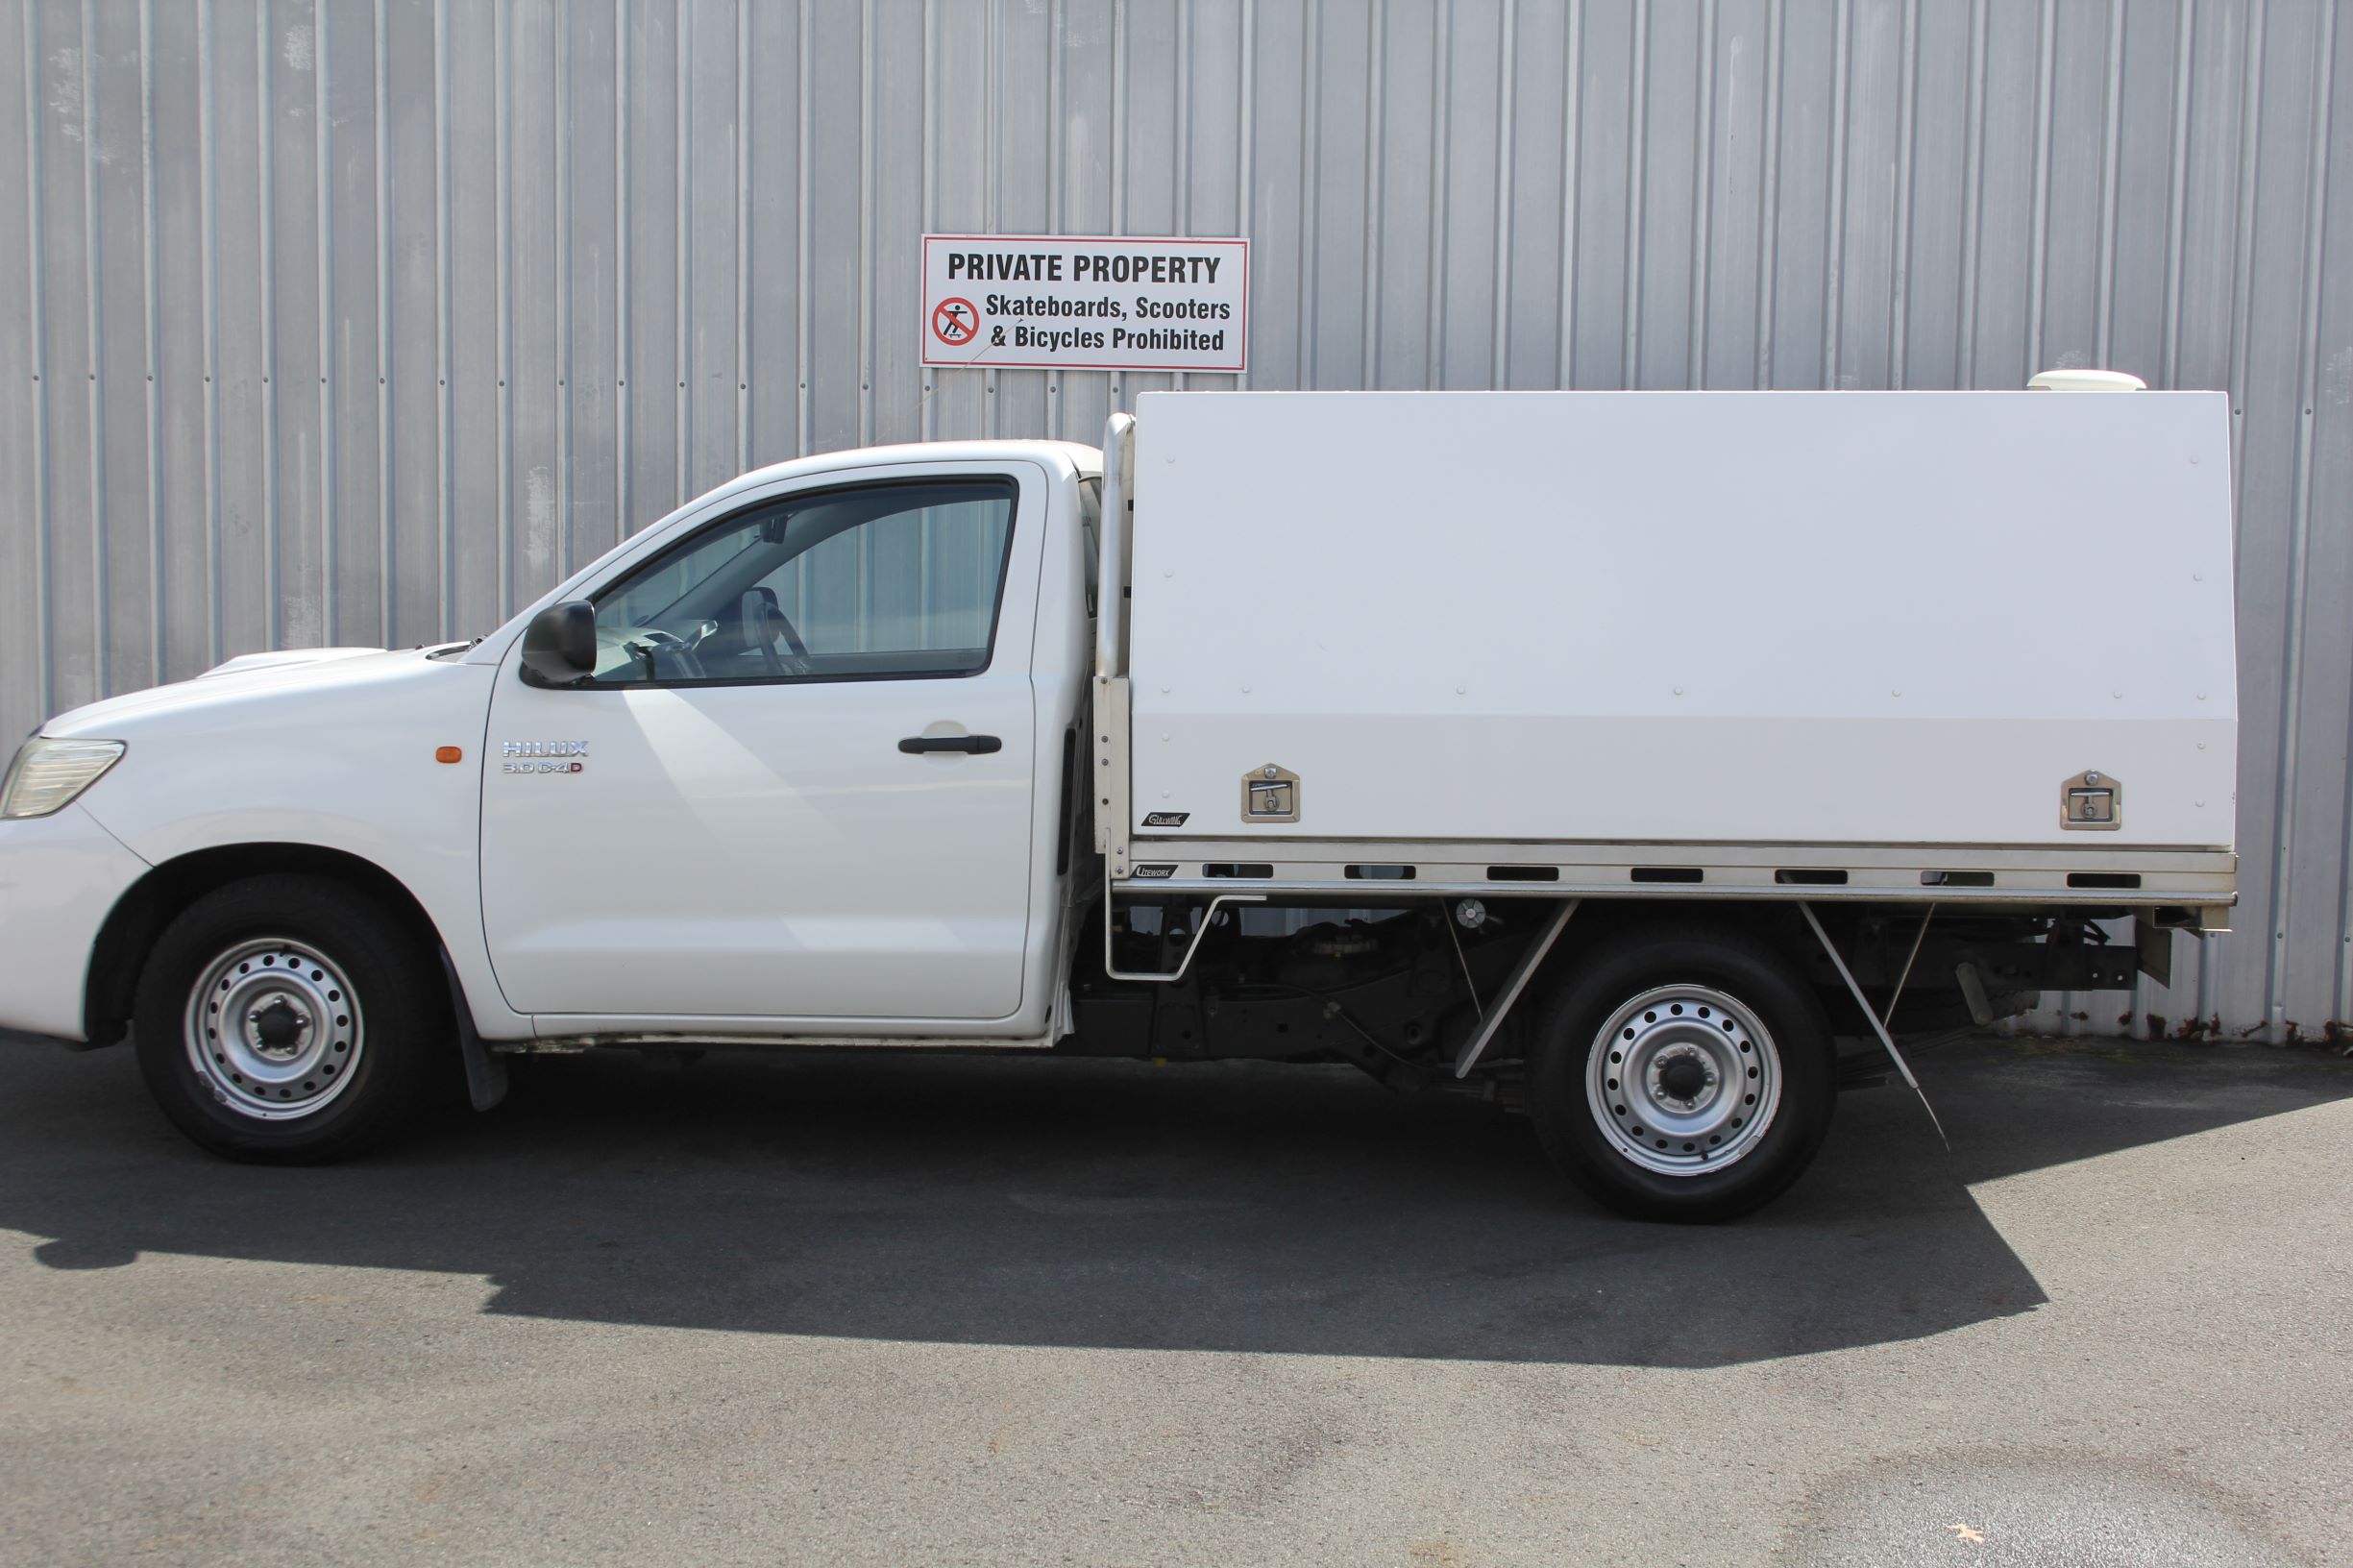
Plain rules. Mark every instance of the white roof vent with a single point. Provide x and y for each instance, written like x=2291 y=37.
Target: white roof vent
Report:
x=2087 y=380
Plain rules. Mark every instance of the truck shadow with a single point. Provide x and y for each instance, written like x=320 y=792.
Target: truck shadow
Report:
x=1228 y=1208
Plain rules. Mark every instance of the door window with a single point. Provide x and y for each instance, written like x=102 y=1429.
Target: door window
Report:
x=877 y=582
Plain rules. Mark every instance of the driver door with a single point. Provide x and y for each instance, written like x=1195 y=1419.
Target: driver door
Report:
x=797 y=787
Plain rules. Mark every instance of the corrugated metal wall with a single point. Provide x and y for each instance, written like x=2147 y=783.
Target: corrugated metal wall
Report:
x=363 y=320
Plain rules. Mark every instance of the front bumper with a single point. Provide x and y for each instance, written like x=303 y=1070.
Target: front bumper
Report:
x=59 y=878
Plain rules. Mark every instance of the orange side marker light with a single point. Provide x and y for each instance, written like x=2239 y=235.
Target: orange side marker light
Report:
x=449 y=753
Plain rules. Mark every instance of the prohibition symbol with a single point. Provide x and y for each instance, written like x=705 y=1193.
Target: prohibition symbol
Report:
x=954 y=322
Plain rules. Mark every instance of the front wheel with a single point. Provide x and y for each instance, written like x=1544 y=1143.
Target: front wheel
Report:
x=288 y=1020
x=1684 y=1073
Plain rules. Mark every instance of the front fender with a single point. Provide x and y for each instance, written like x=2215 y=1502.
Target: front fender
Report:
x=348 y=764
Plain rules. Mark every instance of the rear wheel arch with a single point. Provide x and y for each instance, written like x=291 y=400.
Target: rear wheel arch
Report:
x=152 y=902
x=1602 y=923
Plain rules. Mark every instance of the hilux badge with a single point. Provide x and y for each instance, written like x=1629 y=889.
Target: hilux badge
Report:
x=542 y=756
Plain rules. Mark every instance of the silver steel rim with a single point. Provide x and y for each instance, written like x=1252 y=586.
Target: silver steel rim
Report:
x=1684 y=1080
x=273 y=1028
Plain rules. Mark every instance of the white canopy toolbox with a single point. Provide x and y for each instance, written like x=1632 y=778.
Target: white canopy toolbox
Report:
x=1717 y=635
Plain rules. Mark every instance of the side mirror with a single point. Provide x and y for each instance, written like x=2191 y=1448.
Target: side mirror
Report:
x=559 y=646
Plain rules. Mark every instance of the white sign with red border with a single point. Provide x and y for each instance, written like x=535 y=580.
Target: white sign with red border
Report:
x=1055 y=301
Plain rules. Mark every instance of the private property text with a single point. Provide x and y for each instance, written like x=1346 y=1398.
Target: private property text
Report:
x=1110 y=304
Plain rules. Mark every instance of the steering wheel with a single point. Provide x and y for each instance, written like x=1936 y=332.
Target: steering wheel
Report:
x=655 y=647
x=759 y=622
x=783 y=623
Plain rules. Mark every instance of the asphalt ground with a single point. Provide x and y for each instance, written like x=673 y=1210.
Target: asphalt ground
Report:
x=914 y=1310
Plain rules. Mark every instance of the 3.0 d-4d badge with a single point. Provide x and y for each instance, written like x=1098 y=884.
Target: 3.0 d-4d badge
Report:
x=542 y=756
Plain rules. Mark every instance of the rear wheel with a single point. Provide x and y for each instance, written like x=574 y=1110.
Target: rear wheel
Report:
x=1683 y=1073
x=289 y=1019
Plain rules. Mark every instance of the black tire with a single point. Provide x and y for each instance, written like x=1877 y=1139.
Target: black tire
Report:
x=1595 y=1135
x=347 y=1083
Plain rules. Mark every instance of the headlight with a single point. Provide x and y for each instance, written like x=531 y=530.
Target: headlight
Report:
x=47 y=774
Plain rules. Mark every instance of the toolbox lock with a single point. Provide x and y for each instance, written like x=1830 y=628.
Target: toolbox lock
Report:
x=2092 y=800
x=1270 y=795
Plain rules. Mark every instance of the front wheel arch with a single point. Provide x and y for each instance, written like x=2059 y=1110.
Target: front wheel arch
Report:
x=110 y=989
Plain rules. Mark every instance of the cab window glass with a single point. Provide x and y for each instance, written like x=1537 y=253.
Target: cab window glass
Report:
x=877 y=582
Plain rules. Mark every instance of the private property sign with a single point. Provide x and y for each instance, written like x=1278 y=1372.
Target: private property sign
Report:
x=1053 y=302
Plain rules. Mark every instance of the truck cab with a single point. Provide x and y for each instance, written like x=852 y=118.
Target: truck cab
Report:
x=804 y=784
x=808 y=786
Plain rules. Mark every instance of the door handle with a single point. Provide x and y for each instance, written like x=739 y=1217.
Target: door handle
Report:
x=977 y=744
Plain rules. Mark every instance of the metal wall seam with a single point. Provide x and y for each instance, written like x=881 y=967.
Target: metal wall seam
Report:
x=1310 y=168
x=1184 y=141
x=565 y=248
x=1057 y=114
x=927 y=195
x=503 y=192
x=864 y=405
x=1572 y=155
x=1245 y=182
x=1637 y=111
x=2299 y=517
x=155 y=602
x=1442 y=139
x=806 y=177
x=322 y=154
x=1769 y=198
x=743 y=235
x=274 y=609
x=563 y=295
x=37 y=271
x=2111 y=141
x=2177 y=193
x=444 y=550
x=94 y=306
x=1702 y=201
x=1119 y=161
x=1907 y=147
x=1123 y=105
x=1376 y=159
x=2037 y=249
x=2242 y=274
x=208 y=263
x=682 y=225
x=624 y=433
x=866 y=238
x=387 y=588
x=927 y=417
x=1835 y=244
x=1973 y=198
x=1506 y=146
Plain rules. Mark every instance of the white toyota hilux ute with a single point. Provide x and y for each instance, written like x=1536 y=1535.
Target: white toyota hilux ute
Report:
x=1655 y=764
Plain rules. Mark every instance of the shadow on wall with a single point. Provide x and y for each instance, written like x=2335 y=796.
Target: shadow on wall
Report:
x=1236 y=1207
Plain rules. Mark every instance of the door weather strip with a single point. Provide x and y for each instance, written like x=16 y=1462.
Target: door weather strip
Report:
x=1878 y=1027
x=1468 y=1057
